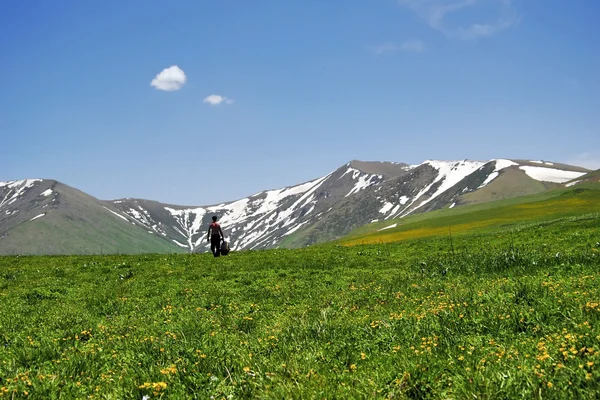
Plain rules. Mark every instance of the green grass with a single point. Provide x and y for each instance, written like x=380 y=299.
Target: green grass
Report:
x=480 y=218
x=513 y=313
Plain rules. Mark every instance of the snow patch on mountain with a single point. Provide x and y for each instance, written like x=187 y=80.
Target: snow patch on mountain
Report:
x=389 y=227
x=179 y=244
x=189 y=223
x=500 y=165
x=15 y=189
x=117 y=214
x=394 y=211
x=274 y=197
x=550 y=174
x=256 y=216
x=141 y=215
x=449 y=174
x=21 y=184
x=543 y=162
x=386 y=207
x=355 y=172
x=394 y=208
x=37 y=216
x=364 y=182
x=294 y=229
x=490 y=178
x=284 y=214
x=236 y=211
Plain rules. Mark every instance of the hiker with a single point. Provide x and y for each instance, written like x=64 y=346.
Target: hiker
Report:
x=215 y=235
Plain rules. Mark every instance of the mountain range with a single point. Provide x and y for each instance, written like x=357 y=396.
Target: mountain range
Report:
x=42 y=216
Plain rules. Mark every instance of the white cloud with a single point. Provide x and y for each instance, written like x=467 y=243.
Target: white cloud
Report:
x=384 y=48
x=439 y=15
x=215 y=100
x=169 y=79
x=412 y=45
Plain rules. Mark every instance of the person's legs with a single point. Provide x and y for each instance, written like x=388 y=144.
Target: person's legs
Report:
x=215 y=245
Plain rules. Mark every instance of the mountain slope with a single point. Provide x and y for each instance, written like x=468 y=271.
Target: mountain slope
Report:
x=260 y=220
x=47 y=217
x=434 y=185
x=590 y=177
x=356 y=194
x=480 y=218
x=353 y=195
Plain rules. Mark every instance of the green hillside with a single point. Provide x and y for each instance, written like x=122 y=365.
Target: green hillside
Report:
x=486 y=217
x=100 y=233
x=593 y=176
x=80 y=224
x=502 y=313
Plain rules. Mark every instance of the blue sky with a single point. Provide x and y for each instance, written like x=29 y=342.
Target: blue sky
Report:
x=263 y=94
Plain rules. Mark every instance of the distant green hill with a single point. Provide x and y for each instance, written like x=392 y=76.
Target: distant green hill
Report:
x=68 y=221
x=95 y=233
x=486 y=217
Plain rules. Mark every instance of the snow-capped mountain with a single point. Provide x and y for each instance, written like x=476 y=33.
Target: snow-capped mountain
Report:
x=322 y=209
x=263 y=219
x=329 y=207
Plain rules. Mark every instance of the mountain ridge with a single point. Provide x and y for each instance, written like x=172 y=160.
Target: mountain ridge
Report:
x=325 y=208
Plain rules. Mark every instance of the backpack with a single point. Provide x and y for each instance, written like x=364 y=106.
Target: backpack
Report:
x=224 y=248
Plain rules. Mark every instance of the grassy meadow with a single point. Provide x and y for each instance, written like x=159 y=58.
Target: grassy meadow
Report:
x=482 y=218
x=512 y=312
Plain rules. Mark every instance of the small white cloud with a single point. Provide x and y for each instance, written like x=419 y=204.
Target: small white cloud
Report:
x=438 y=15
x=169 y=79
x=412 y=45
x=384 y=48
x=215 y=100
